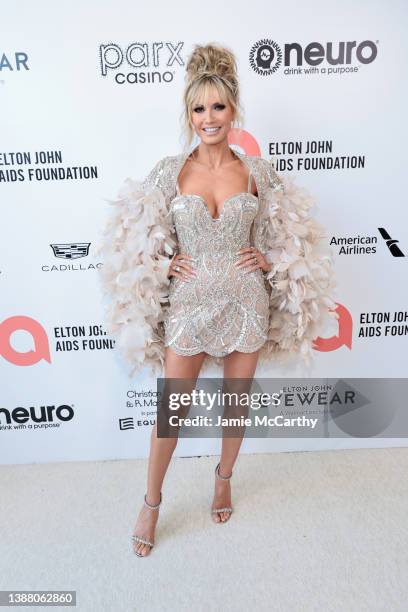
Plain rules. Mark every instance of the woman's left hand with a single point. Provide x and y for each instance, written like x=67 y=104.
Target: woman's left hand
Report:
x=252 y=259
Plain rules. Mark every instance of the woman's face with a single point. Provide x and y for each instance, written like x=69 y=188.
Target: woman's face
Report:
x=213 y=114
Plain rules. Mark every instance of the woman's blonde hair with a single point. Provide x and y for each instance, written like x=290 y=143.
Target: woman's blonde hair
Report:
x=210 y=65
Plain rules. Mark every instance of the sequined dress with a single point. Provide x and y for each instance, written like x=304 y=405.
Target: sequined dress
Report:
x=223 y=308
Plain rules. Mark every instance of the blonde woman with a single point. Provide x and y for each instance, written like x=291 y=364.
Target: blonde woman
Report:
x=216 y=257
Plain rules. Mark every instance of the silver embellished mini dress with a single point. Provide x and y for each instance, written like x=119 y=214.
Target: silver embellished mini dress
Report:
x=222 y=308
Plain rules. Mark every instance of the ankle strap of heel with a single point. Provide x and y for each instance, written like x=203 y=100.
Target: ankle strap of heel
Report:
x=151 y=505
x=218 y=475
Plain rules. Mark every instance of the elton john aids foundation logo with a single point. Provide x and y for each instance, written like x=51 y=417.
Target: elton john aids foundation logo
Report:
x=39 y=337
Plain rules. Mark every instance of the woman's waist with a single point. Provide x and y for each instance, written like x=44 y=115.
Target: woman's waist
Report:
x=230 y=253
x=220 y=269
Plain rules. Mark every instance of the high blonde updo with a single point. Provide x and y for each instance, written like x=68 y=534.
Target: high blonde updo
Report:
x=210 y=65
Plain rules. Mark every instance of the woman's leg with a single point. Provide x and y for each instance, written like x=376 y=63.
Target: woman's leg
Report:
x=161 y=449
x=242 y=366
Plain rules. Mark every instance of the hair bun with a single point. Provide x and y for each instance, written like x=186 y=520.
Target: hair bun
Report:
x=211 y=60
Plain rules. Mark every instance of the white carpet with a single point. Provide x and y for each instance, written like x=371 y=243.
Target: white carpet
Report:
x=312 y=531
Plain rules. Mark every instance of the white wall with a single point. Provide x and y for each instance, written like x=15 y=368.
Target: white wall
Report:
x=63 y=103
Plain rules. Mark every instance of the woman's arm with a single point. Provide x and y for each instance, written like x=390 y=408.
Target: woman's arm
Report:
x=302 y=274
x=136 y=246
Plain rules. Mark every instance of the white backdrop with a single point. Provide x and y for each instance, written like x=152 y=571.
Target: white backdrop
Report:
x=56 y=102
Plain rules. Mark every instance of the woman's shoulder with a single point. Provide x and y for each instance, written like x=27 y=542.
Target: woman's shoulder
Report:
x=168 y=161
x=162 y=173
x=266 y=170
x=257 y=159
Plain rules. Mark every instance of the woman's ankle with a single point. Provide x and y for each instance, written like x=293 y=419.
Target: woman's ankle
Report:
x=153 y=499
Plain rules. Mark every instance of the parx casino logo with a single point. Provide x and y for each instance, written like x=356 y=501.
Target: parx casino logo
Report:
x=140 y=62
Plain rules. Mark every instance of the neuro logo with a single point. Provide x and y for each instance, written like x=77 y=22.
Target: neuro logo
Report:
x=72 y=250
x=265 y=56
x=41 y=348
x=344 y=337
x=391 y=243
x=36 y=417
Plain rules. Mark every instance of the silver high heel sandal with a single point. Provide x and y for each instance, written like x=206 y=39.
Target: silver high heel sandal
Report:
x=216 y=510
x=137 y=538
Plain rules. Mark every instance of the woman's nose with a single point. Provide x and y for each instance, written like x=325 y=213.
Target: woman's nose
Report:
x=209 y=115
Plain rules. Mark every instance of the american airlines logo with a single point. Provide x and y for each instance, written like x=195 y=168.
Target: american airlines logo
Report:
x=391 y=243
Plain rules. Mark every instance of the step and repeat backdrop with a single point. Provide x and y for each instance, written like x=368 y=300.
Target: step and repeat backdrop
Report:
x=90 y=94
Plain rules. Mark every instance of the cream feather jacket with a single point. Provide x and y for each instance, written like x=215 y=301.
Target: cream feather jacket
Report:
x=139 y=240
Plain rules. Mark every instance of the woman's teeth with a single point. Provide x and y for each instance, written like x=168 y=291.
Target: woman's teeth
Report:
x=211 y=129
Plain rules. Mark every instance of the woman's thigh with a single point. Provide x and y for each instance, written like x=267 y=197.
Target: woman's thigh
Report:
x=240 y=365
x=182 y=366
x=180 y=373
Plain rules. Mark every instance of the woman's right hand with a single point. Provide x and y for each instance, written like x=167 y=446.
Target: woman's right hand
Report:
x=185 y=271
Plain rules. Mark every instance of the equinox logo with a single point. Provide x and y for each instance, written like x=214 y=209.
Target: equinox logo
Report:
x=265 y=56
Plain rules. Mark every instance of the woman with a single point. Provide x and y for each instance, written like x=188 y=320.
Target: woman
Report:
x=212 y=256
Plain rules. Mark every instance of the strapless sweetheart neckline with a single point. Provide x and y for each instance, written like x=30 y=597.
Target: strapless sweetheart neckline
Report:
x=235 y=195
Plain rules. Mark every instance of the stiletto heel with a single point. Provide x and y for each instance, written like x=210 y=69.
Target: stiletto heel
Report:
x=228 y=509
x=137 y=538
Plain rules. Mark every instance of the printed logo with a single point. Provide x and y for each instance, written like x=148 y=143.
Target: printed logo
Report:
x=42 y=418
x=41 y=348
x=131 y=423
x=391 y=243
x=244 y=141
x=151 y=61
x=72 y=250
x=344 y=336
x=17 y=61
x=265 y=56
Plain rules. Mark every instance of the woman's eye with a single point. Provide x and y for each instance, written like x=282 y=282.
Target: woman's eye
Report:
x=199 y=109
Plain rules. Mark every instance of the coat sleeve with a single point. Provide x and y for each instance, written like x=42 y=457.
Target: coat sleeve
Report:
x=301 y=280
x=136 y=246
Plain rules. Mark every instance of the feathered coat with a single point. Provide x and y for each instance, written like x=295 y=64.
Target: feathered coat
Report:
x=140 y=239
